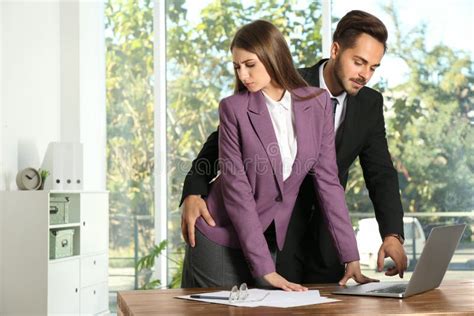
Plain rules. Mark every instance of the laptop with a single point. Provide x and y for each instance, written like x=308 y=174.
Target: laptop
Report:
x=429 y=271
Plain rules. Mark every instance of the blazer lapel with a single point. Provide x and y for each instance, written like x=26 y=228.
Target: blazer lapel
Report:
x=262 y=124
x=302 y=125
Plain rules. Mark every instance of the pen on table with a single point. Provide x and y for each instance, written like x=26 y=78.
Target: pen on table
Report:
x=209 y=297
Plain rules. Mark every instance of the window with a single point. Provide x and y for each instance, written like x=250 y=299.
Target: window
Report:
x=426 y=80
x=200 y=73
x=130 y=139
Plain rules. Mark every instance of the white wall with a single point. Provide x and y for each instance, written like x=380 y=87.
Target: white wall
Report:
x=30 y=85
x=1 y=107
x=92 y=95
x=52 y=87
x=1 y=162
x=53 y=84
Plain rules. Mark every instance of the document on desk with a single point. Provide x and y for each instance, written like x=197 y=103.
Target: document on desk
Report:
x=270 y=298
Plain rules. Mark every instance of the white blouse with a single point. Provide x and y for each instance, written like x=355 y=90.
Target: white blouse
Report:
x=283 y=121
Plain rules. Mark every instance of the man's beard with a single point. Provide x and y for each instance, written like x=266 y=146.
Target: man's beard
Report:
x=339 y=75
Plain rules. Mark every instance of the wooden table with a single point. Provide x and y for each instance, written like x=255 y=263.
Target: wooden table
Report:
x=451 y=298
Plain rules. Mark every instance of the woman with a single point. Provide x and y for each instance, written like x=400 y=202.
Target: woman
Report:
x=273 y=132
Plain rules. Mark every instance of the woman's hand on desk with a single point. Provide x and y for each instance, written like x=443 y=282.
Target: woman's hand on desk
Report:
x=353 y=272
x=193 y=207
x=278 y=281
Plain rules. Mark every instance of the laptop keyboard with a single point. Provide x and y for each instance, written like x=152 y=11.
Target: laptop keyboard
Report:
x=399 y=288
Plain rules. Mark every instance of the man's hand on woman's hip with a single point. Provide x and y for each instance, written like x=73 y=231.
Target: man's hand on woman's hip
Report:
x=194 y=206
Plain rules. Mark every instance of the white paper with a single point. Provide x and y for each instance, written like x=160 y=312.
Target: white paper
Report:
x=270 y=298
x=285 y=299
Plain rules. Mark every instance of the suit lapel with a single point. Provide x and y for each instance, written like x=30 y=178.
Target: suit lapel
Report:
x=262 y=124
x=303 y=126
x=311 y=75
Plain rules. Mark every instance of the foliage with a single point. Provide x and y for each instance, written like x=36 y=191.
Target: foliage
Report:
x=428 y=124
x=430 y=132
x=200 y=73
x=44 y=174
x=130 y=142
x=148 y=263
x=176 y=278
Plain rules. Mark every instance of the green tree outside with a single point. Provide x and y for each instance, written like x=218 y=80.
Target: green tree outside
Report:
x=428 y=123
x=130 y=115
x=200 y=74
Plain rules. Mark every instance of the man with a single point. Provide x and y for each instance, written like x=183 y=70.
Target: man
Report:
x=308 y=256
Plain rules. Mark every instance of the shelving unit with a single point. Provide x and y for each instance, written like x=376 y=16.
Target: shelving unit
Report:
x=73 y=285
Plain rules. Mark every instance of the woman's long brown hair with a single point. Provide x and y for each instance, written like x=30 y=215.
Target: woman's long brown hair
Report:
x=263 y=39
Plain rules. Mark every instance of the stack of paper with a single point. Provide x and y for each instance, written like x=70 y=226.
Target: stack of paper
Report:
x=273 y=298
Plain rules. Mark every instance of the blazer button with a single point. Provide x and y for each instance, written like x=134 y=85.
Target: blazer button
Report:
x=278 y=198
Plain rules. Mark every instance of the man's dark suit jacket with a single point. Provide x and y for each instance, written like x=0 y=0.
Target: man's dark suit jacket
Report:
x=308 y=255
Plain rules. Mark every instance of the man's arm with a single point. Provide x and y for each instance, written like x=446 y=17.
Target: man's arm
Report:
x=203 y=169
x=196 y=184
x=330 y=195
x=381 y=180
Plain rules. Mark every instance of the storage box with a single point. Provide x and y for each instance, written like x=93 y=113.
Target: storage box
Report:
x=59 y=210
x=61 y=243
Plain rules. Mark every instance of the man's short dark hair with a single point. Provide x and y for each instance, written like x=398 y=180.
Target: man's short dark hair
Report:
x=354 y=24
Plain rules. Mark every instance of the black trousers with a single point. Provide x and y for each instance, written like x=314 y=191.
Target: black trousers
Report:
x=304 y=263
x=308 y=255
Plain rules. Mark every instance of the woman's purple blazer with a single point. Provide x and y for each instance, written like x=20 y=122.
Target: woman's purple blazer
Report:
x=250 y=192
